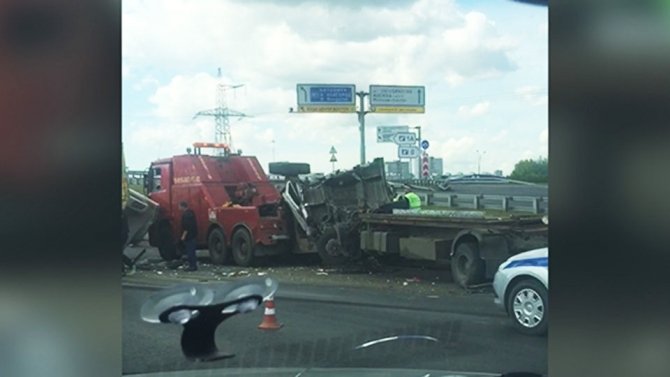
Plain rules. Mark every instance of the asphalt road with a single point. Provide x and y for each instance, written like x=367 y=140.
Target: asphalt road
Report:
x=322 y=325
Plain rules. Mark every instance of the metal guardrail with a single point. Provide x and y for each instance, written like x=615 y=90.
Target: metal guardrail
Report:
x=530 y=204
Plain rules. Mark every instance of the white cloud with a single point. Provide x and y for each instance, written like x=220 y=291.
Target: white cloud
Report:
x=544 y=136
x=475 y=110
x=456 y=149
x=431 y=41
x=500 y=136
x=173 y=47
x=533 y=95
x=125 y=70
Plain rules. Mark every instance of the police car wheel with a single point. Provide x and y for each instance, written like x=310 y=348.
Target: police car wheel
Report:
x=527 y=306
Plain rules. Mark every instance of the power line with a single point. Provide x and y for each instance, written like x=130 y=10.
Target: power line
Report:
x=222 y=114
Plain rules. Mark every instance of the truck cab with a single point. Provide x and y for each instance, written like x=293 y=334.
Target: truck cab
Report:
x=237 y=208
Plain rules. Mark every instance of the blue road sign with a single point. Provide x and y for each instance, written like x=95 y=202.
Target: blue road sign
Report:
x=425 y=144
x=331 y=94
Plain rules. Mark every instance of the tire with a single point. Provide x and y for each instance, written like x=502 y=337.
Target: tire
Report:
x=243 y=248
x=166 y=247
x=218 y=252
x=530 y=316
x=289 y=169
x=329 y=249
x=467 y=268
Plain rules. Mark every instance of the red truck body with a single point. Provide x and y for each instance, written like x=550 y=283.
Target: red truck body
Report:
x=227 y=193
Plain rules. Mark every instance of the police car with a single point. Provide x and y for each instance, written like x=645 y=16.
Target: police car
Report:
x=521 y=287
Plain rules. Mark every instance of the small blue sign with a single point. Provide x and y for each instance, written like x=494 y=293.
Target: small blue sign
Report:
x=331 y=94
x=424 y=144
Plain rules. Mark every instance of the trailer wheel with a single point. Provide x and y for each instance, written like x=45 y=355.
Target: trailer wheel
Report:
x=467 y=268
x=330 y=248
x=243 y=248
x=218 y=252
x=166 y=247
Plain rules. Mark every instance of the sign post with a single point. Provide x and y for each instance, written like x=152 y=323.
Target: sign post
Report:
x=341 y=98
x=333 y=159
x=361 y=122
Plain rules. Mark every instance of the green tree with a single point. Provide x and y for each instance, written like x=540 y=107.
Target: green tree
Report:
x=536 y=171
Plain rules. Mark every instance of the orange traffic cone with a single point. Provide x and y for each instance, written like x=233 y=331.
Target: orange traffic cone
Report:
x=269 y=319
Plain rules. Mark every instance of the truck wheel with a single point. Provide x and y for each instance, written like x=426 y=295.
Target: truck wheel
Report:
x=527 y=307
x=243 y=248
x=467 y=268
x=218 y=252
x=167 y=247
x=330 y=248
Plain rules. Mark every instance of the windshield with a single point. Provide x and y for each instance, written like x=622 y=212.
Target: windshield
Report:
x=424 y=125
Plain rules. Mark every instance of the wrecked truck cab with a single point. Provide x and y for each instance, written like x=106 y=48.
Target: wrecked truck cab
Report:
x=326 y=210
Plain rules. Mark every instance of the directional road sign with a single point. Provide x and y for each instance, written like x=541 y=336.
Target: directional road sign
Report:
x=408 y=152
x=326 y=98
x=404 y=138
x=397 y=99
x=385 y=133
x=425 y=144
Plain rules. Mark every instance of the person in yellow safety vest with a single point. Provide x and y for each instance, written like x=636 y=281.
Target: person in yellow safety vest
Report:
x=413 y=199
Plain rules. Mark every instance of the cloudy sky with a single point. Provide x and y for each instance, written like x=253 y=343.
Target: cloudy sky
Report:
x=484 y=65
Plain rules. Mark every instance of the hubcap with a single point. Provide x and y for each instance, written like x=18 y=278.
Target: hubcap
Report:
x=528 y=308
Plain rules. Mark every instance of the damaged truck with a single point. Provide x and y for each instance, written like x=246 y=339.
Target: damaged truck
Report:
x=340 y=218
x=242 y=216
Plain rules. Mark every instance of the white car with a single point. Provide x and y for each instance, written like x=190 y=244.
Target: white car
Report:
x=521 y=288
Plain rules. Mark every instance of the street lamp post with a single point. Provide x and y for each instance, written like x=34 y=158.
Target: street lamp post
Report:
x=479 y=161
x=418 y=172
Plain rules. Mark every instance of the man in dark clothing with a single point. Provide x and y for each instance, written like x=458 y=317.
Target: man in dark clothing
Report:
x=188 y=235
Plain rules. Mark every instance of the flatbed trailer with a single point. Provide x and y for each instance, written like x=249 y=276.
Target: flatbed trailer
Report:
x=345 y=216
x=472 y=247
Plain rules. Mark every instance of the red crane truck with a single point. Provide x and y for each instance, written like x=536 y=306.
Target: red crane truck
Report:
x=238 y=210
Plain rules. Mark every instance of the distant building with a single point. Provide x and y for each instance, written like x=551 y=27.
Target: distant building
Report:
x=435 y=166
x=398 y=170
x=498 y=173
